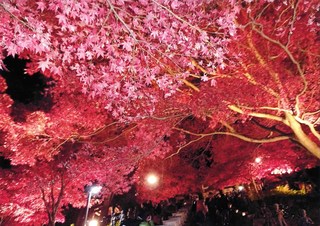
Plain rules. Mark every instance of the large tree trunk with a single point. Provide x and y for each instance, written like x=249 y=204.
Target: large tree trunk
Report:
x=303 y=139
x=106 y=204
x=52 y=219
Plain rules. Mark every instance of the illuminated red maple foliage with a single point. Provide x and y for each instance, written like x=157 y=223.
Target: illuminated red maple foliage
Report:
x=209 y=84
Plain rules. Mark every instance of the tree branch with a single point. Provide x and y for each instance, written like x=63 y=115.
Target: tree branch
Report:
x=294 y=17
x=242 y=137
x=310 y=125
x=272 y=128
x=234 y=134
x=122 y=21
x=258 y=115
x=292 y=58
x=110 y=139
x=263 y=63
x=177 y=17
x=309 y=114
x=185 y=145
x=302 y=138
x=15 y=17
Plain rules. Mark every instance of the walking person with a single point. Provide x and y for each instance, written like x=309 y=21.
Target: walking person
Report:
x=201 y=211
x=280 y=215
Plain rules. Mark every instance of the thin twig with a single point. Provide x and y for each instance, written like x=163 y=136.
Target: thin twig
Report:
x=292 y=22
x=15 y=17
x=176 y=16
x=292 y=58
x=122 y=21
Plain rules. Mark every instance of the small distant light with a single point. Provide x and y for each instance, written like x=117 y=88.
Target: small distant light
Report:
x=93 y=223
x=243 y=214
x=258 y=160
x=237 y=210
x=282 y=170
x=240 y=188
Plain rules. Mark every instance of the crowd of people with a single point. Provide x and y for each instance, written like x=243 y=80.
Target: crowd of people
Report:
x=144 y=214
x=231 y=209
x=235 y=209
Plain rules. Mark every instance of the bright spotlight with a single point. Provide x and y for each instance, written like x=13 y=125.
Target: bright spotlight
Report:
x=152 y=179
x=93 y=223
x=240 y=188
x=95 y=189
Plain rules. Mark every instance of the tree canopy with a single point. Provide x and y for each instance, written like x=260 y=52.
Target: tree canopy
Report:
x=197 y=89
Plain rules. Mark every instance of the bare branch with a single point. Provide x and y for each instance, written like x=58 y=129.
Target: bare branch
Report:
x=310 y=125
x=110 y=139
x=122 y=21
x=15 y=17
x=311 y=146
x=258 y=115
x=177 y=17
x=292 y=58
x=242 y=137
x=234 y=134
x=183 y=146
x=294 y=17
x=310 y=113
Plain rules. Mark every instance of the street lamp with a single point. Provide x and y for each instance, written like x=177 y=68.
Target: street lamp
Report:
x=92 y=191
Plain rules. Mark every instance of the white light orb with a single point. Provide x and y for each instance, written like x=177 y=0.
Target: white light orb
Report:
x=93 y=223
x=152 y=179
x=95 y=189
x=258 y=160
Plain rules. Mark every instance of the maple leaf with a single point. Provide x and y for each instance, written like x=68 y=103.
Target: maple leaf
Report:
x=98 y=51
x=12 y=49
x=62 y=19
x=44 y=64
x=127 y=46
x=41 y=6
x=175 y=4
x=213 y=82
x=204 y=78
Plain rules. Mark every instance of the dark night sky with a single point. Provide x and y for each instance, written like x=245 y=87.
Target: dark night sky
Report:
x=22 y=87
x=27 y=92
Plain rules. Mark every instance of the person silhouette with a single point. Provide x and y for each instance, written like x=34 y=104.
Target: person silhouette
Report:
x=280 y=215
x=305 y=220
